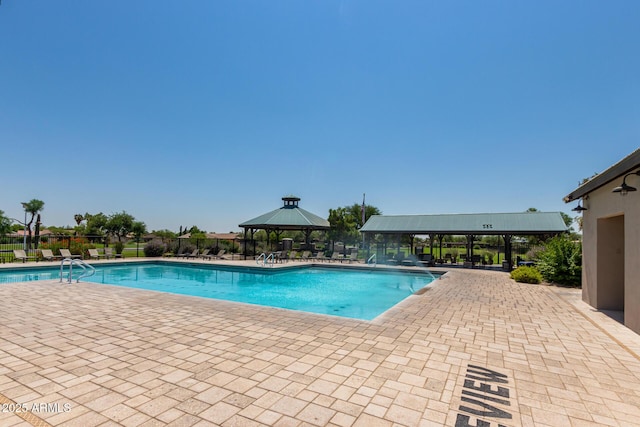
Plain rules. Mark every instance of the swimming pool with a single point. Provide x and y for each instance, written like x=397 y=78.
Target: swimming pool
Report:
x=354 y=293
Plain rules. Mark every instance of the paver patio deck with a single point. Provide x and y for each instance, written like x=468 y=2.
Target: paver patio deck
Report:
x=475 y=347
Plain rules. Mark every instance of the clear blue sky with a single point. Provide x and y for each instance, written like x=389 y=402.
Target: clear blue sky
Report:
x=208 y=112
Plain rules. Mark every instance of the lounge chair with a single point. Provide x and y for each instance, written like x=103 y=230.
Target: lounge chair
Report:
x=47 y=254
x=319 y=257
x=66 y=253
x=108 y=253
x=293 y=255
x=409 y=261
x=305 y=255
x=216 y=256
x=21 y=255
x=426 y=260
x=204 y=254
x=193 y=254
x=353 y=257
x=336 y=256
x=219 y=254
x=94 y=254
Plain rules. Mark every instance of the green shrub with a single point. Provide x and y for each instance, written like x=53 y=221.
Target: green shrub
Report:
x=490 y=257
x=154 y=248
x=526 y=275
x=76 y=245
x=561 y=261
x=119 y=246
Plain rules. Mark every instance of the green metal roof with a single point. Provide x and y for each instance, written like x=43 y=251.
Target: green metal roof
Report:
x=288 y=217
x=525 y=223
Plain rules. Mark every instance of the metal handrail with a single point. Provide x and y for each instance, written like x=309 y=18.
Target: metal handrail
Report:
x=266 y=259
x=374 y=258
x=87 y=269
x=272 y=257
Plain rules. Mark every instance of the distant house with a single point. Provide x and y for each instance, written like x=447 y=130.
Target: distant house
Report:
x=610 y=205
x=21 y=233
x=219 y=236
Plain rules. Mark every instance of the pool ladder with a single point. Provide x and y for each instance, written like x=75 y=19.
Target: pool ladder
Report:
x=87 y=269
x=373 y=260
x=264 y=259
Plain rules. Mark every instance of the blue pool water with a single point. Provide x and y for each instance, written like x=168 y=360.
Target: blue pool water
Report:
x=360 y=294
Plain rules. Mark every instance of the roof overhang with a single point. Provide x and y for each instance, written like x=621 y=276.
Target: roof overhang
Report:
x=621 y=168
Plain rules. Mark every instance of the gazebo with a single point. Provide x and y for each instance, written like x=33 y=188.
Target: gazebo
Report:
x=505 y=225
x=289 y=217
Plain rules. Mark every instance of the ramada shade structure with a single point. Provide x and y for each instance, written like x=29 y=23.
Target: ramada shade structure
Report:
x=506 y=225
x=289 y=217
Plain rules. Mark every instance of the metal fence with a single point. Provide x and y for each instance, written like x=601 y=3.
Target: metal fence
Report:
x=78 y=245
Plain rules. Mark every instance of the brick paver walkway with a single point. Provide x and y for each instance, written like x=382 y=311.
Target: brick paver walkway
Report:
x=475 y=347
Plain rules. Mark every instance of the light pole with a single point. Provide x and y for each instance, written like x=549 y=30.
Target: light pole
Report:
x=24 y=230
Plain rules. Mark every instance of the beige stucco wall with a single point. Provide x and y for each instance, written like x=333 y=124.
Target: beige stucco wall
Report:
x=611 y=251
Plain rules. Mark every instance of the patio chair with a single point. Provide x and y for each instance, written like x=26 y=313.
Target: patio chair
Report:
x=66 y=253
x=409 y=260
x=396 y=259
x=305 y=256
x=426 y=260
x=219 y=254
x=280 y=256
x=47 y=254
x=353 y=257
x=193 y=254
x=336 y=256
x=21 y=255
x=319 y=256
x=94 y=254
x=216 y=256
x=108 y=253
x=293 y=255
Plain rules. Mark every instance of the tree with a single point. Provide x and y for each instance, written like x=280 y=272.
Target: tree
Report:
x=120 y=224
x=33 y=207
x=196 y=233
x=356 y=211
x=567 y=219
x=346 y=222
x=343 y=226
x=5 y=224
x=95 y=224
x=164 y=234
x=138 y=228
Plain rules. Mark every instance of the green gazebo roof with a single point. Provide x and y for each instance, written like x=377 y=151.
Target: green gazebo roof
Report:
x=288 y=217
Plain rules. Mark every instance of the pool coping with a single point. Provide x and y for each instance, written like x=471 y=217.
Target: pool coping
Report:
x=434 y=276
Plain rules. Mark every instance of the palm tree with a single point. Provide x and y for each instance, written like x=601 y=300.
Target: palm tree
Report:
x=33 y=207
